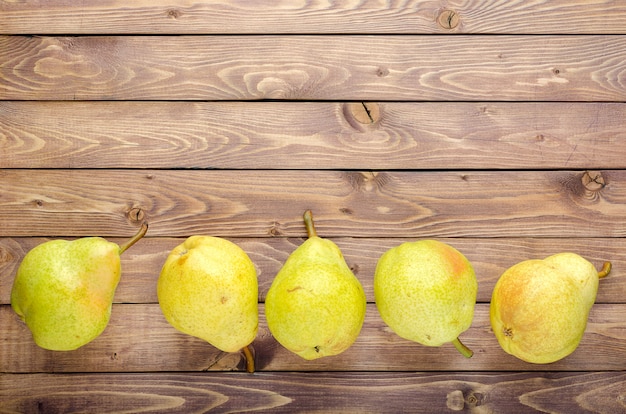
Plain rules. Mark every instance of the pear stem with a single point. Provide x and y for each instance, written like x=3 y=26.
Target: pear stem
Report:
x=606 y=269
x=465 y=351
x=249 y=359
x=308 y=223
x=142 y=232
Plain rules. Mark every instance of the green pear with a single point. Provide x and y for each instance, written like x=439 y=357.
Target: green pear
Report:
x=208 y=289
x=315 y=306
x=425 y=291
x=64 y=290
x=539 y=308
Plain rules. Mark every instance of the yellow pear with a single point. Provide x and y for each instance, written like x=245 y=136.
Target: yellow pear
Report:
x=64 y=289
x=539 y=308
x=315 y=306
x=426 y=292
x=208 y=289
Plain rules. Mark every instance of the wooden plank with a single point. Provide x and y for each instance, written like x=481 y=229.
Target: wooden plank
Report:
x=477 y=68
x=312 y=135
x=601 y=392
x=231 y=16
x=345 y=203
x=138 y=339
x=490 y=257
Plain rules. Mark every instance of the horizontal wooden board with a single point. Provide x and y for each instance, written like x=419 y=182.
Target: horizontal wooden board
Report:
x=312 y=135
x=601 y=392
x=139 y=339
x=345 y=203
x=232 y=16
x=405 y=68
x=142 y=264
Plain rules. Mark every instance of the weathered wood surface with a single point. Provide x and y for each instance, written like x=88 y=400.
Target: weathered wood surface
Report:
x=554 y=392
x=312 y=135
x=505 y=140
x=402 y=68
x=266 y=203
x=352 y=16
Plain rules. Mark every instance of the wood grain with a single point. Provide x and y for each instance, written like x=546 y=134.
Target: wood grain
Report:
x=139 y=339
x=267 y=203
x=231 y=16
x=490 y=257
x=312 y=135
x=601 y=392
x=403 y=68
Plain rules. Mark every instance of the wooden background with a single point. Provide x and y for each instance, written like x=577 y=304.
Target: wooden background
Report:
x=495 y=126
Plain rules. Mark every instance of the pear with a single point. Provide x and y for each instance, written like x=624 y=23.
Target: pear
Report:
x=539 y=308
x=315 y=306
x=208 y=289
x=64 y=290
x=425 y=291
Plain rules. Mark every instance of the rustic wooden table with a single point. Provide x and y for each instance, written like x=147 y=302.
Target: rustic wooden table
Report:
x=495 y=126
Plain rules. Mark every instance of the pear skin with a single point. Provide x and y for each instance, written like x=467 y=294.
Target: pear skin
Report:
x=208 y=289
x=579 y=270
x=425 y=291
x=315 y=306
x=539 y=308
x=64 y=290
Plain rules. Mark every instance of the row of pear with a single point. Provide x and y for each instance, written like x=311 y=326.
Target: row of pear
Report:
x=425 y=291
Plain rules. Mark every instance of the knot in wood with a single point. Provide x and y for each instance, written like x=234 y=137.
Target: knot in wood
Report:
x=448 y=19
x=475 y=399
x=347 y=211
x=381 y=72
x=174 y=13
x=275 y=230
x=593 y=180
x=136 y=215
x=362 y=115
x=365 y=112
